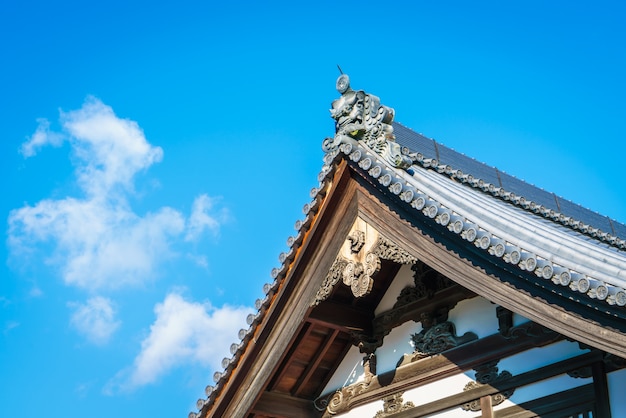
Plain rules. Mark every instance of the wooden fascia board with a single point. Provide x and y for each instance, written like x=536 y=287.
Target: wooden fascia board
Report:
x=280 y=405
x=291 y=305
x=449 y=257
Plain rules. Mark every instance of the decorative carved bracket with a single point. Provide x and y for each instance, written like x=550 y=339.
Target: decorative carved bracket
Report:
x=358 y=274
x=527 y=329
x=487 y=374
x=437 y=336
x=393 y=404
x=505 y=320
x=611 y=363
x=427 y=282
x=332 y=278
x=359 y=261
x=367 y=344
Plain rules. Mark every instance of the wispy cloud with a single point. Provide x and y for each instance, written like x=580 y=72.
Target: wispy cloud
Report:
x=98 y=240
x=96 y=319
x=42 y=136
x=202 y=218
x=183 y=332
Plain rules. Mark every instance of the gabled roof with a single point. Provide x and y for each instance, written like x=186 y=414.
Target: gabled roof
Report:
x=491 y=233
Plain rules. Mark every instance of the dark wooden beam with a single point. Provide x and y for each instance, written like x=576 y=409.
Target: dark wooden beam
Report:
x=334 y=367
x=280 y=405
x=342 y=317
x=289 y=358
x=315 y=362
x=601 y=389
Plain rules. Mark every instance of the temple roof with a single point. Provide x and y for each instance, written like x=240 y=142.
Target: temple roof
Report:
x=574 y=256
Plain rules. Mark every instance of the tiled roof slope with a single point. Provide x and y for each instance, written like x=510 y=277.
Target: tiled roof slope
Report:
x=569 y=212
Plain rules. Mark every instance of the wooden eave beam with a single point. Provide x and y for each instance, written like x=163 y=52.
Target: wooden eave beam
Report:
x=280 y=405
x=342 y=317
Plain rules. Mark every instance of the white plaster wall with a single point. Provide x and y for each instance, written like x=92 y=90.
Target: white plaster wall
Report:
x=437 y=390
x=403 y=279
x=617 y=394
x=395 y=345
x=349 y=371
x=540 y=356
x=477 y=315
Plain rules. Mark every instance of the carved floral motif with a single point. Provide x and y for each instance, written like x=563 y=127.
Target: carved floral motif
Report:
x=360 y=260
x=487 y=374
x=427 y=282
x=337 y=402
x=393 y=404
x=359 y=276
x=388 y=250
x=357 y=240
x=331 y=279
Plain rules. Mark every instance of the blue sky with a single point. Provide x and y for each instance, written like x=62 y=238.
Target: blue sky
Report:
x=155 y=157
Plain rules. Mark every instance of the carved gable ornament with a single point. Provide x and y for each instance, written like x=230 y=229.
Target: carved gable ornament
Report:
x=359 y=117
x=359 y=261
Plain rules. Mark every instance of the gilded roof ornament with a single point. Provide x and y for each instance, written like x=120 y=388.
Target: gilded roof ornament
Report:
x=360 y=117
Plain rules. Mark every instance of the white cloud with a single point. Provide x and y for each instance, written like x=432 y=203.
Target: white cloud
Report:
x=42 y=136
x=184 y=332
x=201 y=218
x=112 y=150
x=98 y=241
x=96 y=319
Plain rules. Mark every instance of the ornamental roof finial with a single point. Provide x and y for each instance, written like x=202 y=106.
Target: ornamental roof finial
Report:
x=359 y=116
